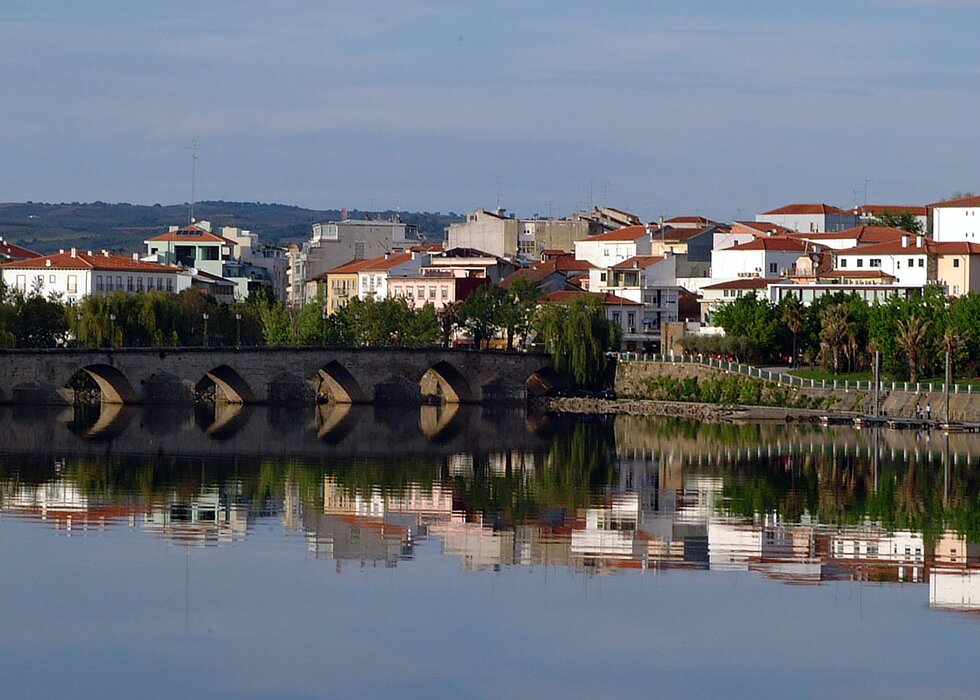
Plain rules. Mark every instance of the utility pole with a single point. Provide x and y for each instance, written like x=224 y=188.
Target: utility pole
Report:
x=190 y=215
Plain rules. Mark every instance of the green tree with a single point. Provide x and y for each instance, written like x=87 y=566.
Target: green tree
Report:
x=904 y=219
x=481 y=313
x=578 y=336
x=911 y=334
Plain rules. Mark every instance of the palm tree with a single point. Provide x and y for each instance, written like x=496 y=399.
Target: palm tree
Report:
x=792 y=315
x=834 y=331
x=911 y=335
x=951 y=342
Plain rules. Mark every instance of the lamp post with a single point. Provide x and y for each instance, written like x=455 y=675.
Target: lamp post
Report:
x=205 y=328
x=112 y=330
x=78 y=329
x=238 y=330
x=323 y=326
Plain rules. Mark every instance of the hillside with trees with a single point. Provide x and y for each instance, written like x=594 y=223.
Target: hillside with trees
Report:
x=123 y=227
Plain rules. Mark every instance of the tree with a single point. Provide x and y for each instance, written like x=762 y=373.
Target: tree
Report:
x=904 y=219
x=523 y=300
x=448 y=319
x=578 y=336
x=911 y=335
x=791 y=313
x=480 y=313
x=755 y=319
x=834 y=331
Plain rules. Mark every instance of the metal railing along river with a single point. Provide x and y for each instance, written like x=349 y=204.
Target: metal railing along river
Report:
x=787 y=379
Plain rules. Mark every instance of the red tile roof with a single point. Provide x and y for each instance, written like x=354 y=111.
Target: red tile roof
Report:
x=89 y=261
x=564 y=263
x=639 y=262
x=766 y=227
x=963 y=202
x=386 y=262
x=825 y=209
x=606 y=298
x=781 y=243
x=682 y=234
x=699 y=220
x=862 y=234
x=894 y=247
x=955 y=248
x=744 y=283
x=347 y=268
x=12 y=251
x=858 y=274
x=627 y=233
x=191 y=234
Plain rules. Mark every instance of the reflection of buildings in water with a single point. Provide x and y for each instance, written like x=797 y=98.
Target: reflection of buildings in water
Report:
x=212 y=517
x=494 y=464
x=871 y=553
x=62 y=504
x=376 y=526
x=954 y=579
x=478 y=547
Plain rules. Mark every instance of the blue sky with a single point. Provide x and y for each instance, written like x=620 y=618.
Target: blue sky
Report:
x=719 y=108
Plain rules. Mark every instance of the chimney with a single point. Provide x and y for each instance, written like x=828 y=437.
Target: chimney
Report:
x=136 y=257
x=61 y=251
x=89 y=253
x=47 y=263
x=105 y=252
x=920 y=241
x=74 y=253
x=905 y=240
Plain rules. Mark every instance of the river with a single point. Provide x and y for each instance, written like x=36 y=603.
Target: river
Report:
x=468 y=552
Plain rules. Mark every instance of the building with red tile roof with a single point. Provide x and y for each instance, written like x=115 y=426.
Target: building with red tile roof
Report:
x=956 y=220
x=810 y=218
x=74 y=274
x=10 y=252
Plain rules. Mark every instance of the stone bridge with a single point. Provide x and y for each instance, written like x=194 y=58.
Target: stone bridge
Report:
x=270 y=375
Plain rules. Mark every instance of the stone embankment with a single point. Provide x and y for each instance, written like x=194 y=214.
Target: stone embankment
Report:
x=676 y=409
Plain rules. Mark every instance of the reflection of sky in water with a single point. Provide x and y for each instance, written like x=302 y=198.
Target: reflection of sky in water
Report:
x=325 y=583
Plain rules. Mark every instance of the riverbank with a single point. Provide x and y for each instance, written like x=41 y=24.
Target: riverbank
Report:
x=684 y=409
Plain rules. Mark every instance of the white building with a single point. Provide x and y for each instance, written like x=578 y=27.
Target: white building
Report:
x=74 y=274
x=810 y=218
x=908 y=260
x=608 y=249
x=956 y=220
x=650 y=280
x=374 y=279
x=771 y=257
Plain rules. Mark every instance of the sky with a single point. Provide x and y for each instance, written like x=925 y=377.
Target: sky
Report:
x=666 y=108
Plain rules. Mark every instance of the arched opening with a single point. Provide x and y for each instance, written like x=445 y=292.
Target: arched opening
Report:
x=101 y=384
x=337 y=384
x=441 y=423
x=503 y=390
x=223 y=384
x=336 y=420
x=443 y=383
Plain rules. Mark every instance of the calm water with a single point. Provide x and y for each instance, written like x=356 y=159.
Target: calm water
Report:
x=474 y=553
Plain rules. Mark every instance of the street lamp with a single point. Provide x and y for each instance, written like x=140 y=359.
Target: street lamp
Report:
x=323 y=326
x=78 y=329
x=205 y=328
x=238 y=330
x=112 y=330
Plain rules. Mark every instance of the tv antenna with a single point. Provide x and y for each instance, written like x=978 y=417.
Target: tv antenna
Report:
x=190 y=214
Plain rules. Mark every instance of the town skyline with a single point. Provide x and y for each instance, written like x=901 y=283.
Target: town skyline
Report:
x=440 y=106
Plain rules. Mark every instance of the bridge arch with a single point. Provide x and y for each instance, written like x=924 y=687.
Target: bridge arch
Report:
x=228 y=386
x=113 y=384
x=338 y=384
x=445 y=382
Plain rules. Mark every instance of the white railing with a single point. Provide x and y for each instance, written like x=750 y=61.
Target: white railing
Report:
x=793 y=380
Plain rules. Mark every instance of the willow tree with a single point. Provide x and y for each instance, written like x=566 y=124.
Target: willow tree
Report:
x=577 y=335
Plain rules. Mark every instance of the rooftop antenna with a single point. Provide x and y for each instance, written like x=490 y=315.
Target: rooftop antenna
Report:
x=499 y=181
x=190 y=215
x=551 y=208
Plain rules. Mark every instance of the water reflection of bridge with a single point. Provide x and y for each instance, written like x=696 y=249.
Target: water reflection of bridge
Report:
x=235 y=429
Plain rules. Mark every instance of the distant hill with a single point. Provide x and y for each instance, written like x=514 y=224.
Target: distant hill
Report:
x=123 y=227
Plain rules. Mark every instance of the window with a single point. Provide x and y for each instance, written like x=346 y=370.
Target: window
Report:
x=602 y=276
x=51 y=279
x=445 y=292
x=860 y=262
x=616 y=317
x=21 y=283
x=631 y=320
x=139 y=284
x=773 y=268
x=160 y=283
x=421 y=291
x=129 y=284
x=843 y=262
x=432 y=292
x=956 y=262
x=119 y=282
x=170 y=284
x=72 y=283
x=874 y=262
x=911 y=262
x=922 y=262
x=99 y=285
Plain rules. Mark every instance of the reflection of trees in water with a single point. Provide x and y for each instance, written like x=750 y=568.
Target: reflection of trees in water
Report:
x=906 y=493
